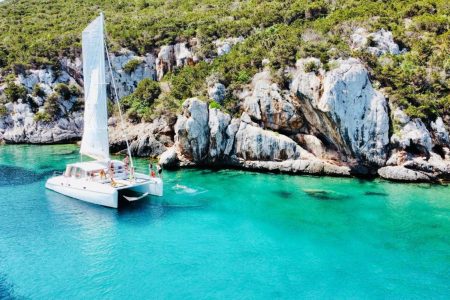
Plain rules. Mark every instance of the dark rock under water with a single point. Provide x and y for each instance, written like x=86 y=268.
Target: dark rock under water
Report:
x=370 y=193
x=11 y=175
x=323 y=195
x=283 y=194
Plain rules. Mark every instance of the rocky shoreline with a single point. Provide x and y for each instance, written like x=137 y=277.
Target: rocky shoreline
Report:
x=325 y=121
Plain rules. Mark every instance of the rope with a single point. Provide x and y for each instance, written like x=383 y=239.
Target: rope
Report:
x=117 y=98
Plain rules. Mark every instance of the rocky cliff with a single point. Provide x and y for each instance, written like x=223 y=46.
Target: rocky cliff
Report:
x=323 y=121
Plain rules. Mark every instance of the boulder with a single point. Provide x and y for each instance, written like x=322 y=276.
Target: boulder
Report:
x=192 y=131
x=270 y=106
x=223 y=46
x=217 y=92
x=312 y=144
x=440 y=133
x=165 y=61
x=412 y=133
x=299 y=166
x=377 y=43
x=218 y=123
x=147 y=146
x=400 y=173
x=183 y=56
x=230 y=136
x=126 y=82
x=306 y=83
x=359 y=111
x=169 y=158
x=254 y=143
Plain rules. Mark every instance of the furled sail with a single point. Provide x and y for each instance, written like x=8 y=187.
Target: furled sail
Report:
x=95 y=136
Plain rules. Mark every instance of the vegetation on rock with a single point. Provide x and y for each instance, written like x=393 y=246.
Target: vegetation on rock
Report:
x=138 y=105
x=131 y=65
x=36 y=33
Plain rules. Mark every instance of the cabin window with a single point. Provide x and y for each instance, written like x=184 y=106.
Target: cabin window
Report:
x=73 y=172
x=68 y=170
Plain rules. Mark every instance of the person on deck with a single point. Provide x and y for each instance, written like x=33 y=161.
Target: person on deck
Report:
x=111 y=170
x=159 y=170
x=126 y=162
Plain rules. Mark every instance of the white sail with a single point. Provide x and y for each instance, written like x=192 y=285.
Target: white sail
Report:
x=95 y=136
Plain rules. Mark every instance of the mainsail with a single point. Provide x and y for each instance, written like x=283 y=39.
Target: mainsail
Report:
x=95 y=136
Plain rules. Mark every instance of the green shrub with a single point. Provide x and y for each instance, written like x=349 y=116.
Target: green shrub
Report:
x=42 y=117
x=51 y=106
x=14 y=92
x=3 y=110
x=74 y=90
x=131 y=65
x=311 y=66
x=78 y=105
x=38 y=91
x=214 y=104
x=63 y=90
x=189 y=81
x=139 y=103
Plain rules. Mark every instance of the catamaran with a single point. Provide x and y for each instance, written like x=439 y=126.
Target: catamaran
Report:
x=102 y=181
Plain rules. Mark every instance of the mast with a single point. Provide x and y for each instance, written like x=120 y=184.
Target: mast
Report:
x=113 y=81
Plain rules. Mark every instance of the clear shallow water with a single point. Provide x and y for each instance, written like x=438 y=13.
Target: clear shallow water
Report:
x=226 y=234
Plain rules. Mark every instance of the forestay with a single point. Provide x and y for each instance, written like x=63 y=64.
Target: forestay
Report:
x=95 y=136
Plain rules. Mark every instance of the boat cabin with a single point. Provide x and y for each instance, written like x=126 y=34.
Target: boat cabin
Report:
x=97 y=170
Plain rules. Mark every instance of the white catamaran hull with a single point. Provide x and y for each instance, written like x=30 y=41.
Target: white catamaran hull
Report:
x=103 y=193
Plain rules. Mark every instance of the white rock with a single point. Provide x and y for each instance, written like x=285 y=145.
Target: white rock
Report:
x=382 y=40
x=413 y=133
x=254 y=143
x=169 y=158
x=192 y=131
x=224 y=45
x=268 y=104
x=217 y=91
x=182 y=54
x=440 y=131
x=218 y=123
x=359 y=111
x=231 y=133
x=307 y=84
x=399 y=173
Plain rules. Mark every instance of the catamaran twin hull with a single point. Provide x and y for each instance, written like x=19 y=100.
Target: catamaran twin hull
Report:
x=103 y=193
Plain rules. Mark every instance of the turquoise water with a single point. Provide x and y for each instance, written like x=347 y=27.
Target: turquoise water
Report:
x=221 y=235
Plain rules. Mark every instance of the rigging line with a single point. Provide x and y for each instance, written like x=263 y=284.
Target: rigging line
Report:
x=117 y=97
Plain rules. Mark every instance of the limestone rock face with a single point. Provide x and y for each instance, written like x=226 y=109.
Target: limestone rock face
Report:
x=231 y=134
x=183 y=56
x=218 y=123
x=400 y=173
x=377 y=43
x=165 y=61
x=224 y=45
x=411 y=133
x=440 y=133
x=217 y=92
x=19 y=126
x=312 y=144
x=171 y=56
x=169 y=158
x=127 y=82
x=254 y=143
x=192 y=131
x=307 y=83
x=359 y=111
x=146 y=139
x=271 y=107
x=343 y=108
